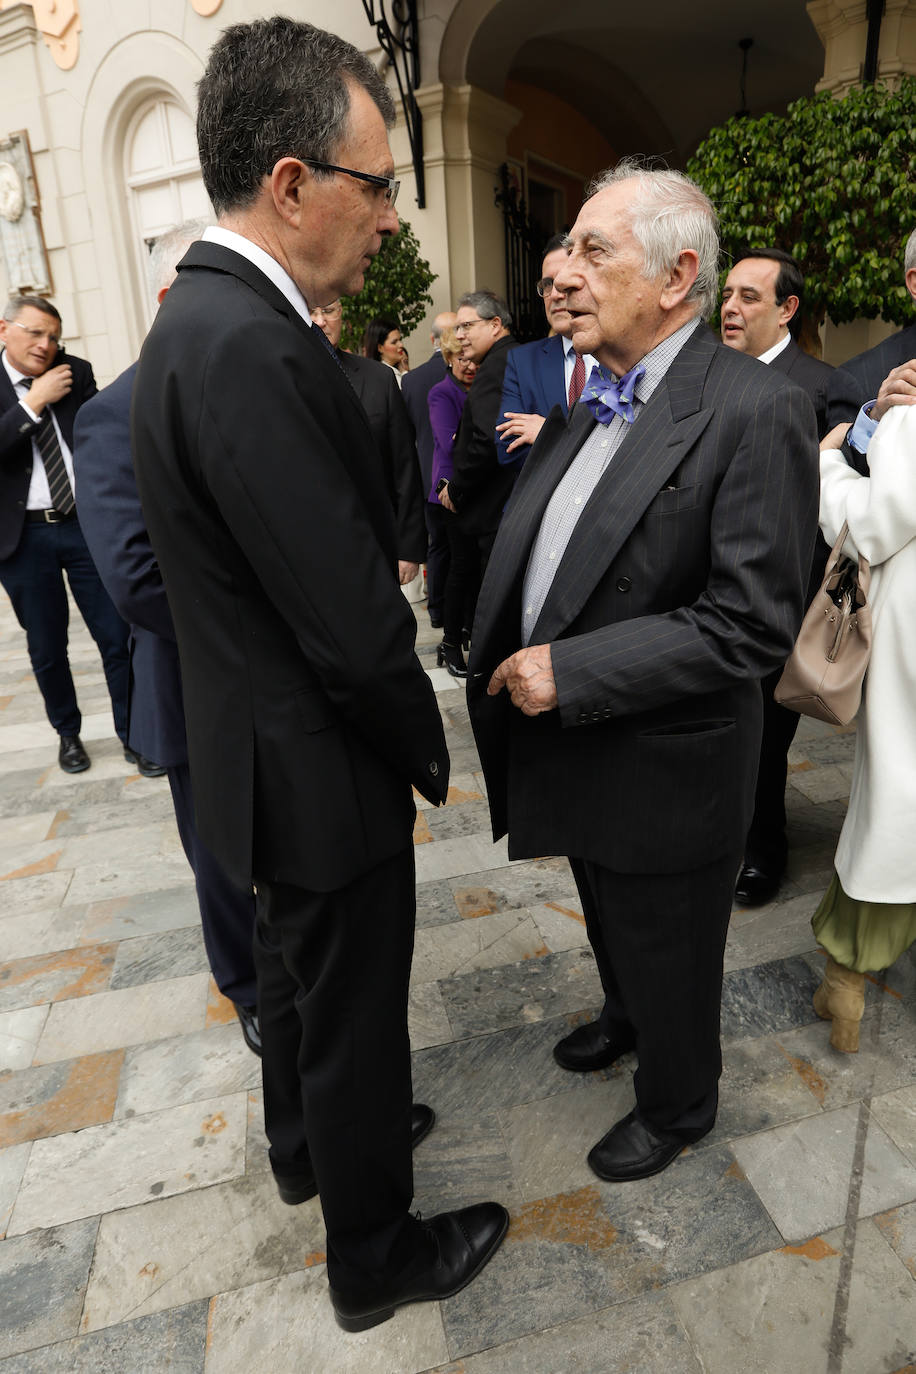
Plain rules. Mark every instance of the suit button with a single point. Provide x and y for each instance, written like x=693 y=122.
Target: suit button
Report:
x=624 y=584
x=434 y=768
x=582 y=718
x=596 y=716
x=607 y=713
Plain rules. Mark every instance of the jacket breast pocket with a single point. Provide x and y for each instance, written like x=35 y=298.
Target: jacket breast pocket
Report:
x=675 y=500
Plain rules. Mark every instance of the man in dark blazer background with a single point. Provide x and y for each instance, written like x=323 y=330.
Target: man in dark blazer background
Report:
x=761 y=301
x=380 y=396
x=41 y=390
x=859 y=380
x=308 y=713
x=415 y=388
x=542 y=374
x=652 y=566
x=112 y=522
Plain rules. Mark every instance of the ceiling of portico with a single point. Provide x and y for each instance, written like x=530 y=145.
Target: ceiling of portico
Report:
x=653 y=77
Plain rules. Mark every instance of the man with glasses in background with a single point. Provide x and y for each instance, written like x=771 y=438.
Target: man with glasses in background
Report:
x=308 y=713
x=543 y=374
x=479 y=487
x=40 y=392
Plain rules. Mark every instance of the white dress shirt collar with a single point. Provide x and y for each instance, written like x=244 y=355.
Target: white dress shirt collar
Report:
x=237 y=243
x=775 y=351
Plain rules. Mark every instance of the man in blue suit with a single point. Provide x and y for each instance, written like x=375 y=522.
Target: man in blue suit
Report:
x=542 y=374
x=112 y=522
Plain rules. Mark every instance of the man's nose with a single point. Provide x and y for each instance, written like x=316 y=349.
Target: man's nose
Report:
x=389 y=224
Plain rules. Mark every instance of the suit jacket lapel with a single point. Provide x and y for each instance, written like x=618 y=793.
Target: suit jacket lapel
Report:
x=652 y=450
x=554 y=374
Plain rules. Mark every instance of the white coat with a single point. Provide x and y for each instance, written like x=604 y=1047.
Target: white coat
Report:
x=876 y=855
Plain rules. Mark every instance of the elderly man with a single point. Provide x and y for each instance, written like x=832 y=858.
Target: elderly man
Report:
x=761 y=298
x=652 y=567
x=543 y=374
x=308 y=713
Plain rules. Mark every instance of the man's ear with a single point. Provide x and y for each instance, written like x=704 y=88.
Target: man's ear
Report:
x=788 y=308
x=910 y=280
x=288 y=182
x=680 y=279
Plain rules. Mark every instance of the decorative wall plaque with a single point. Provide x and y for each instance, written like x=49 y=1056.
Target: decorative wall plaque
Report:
x=21 y=239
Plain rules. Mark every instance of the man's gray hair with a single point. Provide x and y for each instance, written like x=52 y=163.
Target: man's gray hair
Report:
x=19 y=302
x=276 y=88
x=909 y=253
x=668 y=214
x=488 y=306
x=168 y=250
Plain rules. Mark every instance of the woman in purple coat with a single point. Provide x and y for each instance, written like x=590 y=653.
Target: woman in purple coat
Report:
x=446 y=402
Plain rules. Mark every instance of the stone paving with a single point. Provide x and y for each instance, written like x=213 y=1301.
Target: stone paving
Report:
x=140 y=1228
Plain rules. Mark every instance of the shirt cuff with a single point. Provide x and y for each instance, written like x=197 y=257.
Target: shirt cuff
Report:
x=860 y=435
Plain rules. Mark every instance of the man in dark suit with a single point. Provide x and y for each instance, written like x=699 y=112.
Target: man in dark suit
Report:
x=41 y=391
x=859 y=380
x=652 y=562
x=415 y=388
x=761 y=302
x=308 y=713
x=479 y=487
x=377 y=388
x=112 y=522
x=543 y=374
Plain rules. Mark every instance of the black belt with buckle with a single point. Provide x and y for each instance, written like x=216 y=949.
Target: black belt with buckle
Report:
x=49 y=517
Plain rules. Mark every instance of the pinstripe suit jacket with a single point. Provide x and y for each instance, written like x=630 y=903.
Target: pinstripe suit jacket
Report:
x=682 y=585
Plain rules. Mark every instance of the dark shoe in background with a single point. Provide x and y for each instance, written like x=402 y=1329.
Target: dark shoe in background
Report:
x=632 y=1150
x=756 y=885
x=71 y=756
x=251 y=1027
x=450 y=657
x=142 y=764
x=587 y=1048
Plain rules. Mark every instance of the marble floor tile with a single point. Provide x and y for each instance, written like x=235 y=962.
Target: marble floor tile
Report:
x=79 y=815
x=55 y=977
x=468 y=818
x=32 y=893
x=44 y=1101
x=778 y=1310
x=95 y=882
x=427 y=1019
x=151 y=958
x=41 y=932
x=128 y=846
x=443 y=681
x=771 y=997
x=192 y=1246
x=505 y=937
x=20 y=1032
x=287 y=1323
x=898 y=1227
x=760 y=935
x=561 y=924
x=131 y=1016
x=762 y=1086
x=523 y=884
x=466 y=854
x=42 y=1280
x=802 y=1172
x=548 y=1140
x=462 y=1162
x=435 y=904
x=142 y=913
x=886 y=1059
x=534 y=990
x=186 y=1068
x=25 y=830
x=128 y=1162
x=640 y=1337
x=828 y=783
x=12 y=1167
x=175 y=1341
x=896 y=1113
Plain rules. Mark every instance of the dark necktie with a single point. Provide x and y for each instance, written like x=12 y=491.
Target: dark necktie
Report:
x=45 y=437
x=577 y=380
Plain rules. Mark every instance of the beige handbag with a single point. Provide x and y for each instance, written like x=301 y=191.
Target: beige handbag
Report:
x=823 y=677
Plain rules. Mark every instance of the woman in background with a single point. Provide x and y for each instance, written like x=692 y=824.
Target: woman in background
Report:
x=382 y=343
x=867 y=917
x=446 y=402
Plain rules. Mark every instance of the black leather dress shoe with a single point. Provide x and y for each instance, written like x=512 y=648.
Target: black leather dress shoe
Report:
x=756 y=886
x=251 y=1027
x=143 y=764
x=71 y=756
x=296 y=1188
x=630 y=1150
x=587 y=1048
x=459 y=1245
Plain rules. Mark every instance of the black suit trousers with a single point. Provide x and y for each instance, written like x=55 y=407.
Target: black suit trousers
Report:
x=767 y=845
x=333 y=972
x=659 y=941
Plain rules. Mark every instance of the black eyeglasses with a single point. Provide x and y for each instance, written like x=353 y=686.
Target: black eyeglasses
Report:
x=391 y=185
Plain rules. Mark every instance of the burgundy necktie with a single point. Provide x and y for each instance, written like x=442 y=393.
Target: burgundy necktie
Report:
x=577 y=380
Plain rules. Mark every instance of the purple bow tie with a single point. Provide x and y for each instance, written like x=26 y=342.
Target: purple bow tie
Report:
x=606 y=397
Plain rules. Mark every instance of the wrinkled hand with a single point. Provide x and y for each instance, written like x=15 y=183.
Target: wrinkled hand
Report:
x=407 y=571
x=528 y=678
x=522 y=429
x=836 y=436
x=897 y=389
x=51 y=386
x=446 y=501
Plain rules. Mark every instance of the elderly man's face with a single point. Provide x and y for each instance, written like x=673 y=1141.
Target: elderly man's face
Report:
x=329 y=319
x=751 y=320
x=615 y=311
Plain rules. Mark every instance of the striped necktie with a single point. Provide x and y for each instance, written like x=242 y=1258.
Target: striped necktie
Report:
x=45 y=437
x=577 y=380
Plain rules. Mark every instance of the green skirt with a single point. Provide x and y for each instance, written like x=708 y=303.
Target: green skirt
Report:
x=864 y=936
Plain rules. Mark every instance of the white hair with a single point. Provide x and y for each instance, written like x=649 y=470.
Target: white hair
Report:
x=168 y=250
x=909 y=253
x=668 y=214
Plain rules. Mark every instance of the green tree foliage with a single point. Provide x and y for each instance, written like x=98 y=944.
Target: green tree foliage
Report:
x=834 y=183
x=396 y=286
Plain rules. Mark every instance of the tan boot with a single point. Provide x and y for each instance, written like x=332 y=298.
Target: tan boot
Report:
x=841 y=999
